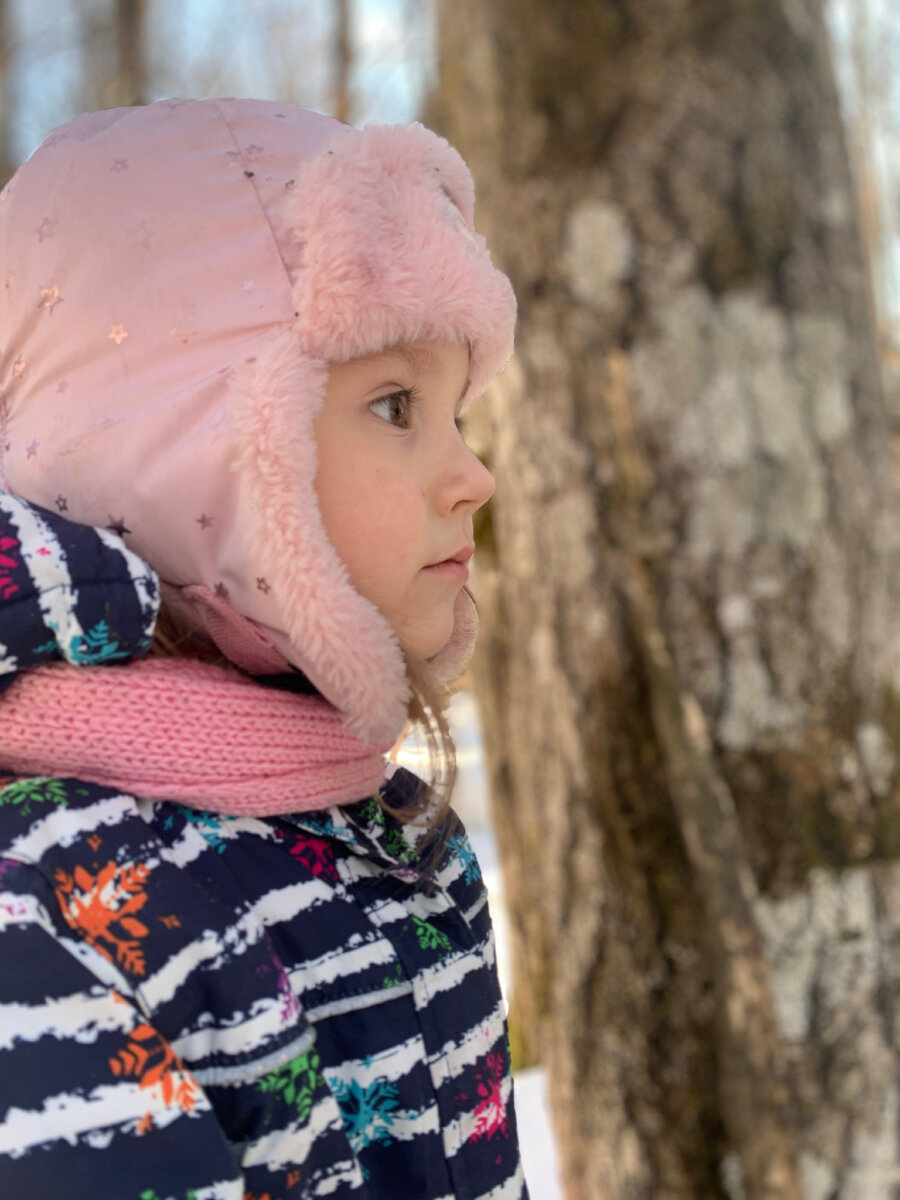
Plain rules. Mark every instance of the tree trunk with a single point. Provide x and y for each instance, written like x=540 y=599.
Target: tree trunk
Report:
x=690 y=663
x=7 y=164
x=343 y=62
x=129 y=85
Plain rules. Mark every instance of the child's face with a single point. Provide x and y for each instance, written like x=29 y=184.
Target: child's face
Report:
x=398 y=486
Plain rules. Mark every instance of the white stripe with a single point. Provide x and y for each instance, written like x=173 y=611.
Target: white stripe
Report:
x=345 y=1173
x=264 y=1020
x=475 y=1042
x=292 y=1144
x=16 y=909
x=391 y=1064
x=64 y=826
x=140 y=574
x=471 y=913
x=237 y=1076
x=162 y=986
x=56 y=596
x=67 y=1116
x=407 y=1126
x=341 y=963
x=192 y=843
x=281 y=904
x=444 y=976
x=9 y=663
x=226 y=1189
x=80 y=1016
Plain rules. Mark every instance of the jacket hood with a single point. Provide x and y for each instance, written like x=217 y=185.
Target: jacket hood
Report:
x=175 y=280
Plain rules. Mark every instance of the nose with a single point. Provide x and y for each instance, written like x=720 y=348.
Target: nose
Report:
x=466 y=483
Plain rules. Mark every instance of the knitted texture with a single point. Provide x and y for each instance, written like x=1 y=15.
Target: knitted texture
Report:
x=173 y=729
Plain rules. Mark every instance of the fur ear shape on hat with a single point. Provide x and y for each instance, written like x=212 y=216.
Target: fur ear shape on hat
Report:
x=167 y=383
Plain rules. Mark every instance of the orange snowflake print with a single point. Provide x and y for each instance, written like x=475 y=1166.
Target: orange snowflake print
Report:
x=150 y=1059
x=101 y=908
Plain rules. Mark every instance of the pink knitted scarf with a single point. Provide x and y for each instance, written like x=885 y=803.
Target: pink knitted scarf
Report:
x=176 y=729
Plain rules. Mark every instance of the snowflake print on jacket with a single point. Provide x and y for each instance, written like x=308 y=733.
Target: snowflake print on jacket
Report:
x=367 y=1110
x=231 y=1007
x=99 y=905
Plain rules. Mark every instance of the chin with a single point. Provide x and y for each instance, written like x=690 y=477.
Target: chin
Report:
x=427 y=642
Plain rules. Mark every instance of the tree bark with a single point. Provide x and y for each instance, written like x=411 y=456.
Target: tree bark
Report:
x=343 y=62
x=690 y=666
x=7 y=165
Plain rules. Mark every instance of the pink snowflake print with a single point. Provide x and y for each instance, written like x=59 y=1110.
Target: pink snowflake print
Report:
x=317 y=854
x=61 y=387
x=490 y=1111
x=119 y=165
x=290 y=1005
x=117 y=334
x=8 y=562
x=253 y=150
x=248 y=286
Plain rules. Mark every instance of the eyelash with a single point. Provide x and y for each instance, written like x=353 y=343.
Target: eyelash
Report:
x=410 y=397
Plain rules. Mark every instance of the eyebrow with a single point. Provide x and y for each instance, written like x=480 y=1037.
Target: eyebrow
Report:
x=418 y=358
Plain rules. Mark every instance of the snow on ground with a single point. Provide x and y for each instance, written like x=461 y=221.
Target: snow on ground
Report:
x=472 y=802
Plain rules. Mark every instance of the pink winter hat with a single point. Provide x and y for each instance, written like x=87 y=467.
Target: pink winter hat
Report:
x=174 y=280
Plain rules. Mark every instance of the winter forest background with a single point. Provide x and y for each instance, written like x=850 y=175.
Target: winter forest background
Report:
x=689 y=674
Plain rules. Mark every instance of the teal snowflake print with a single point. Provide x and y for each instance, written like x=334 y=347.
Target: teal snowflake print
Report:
x=208 y=825
x=96 y=646
x=461 y=848
x=324 y=827
x=429 y=937
x=39 y=790
x=296 y=1082
x=366 y=1111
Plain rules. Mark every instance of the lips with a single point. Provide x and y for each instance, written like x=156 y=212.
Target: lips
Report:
x=461 y=556
x=455 y=566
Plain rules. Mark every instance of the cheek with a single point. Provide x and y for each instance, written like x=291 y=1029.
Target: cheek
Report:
x=372 y=521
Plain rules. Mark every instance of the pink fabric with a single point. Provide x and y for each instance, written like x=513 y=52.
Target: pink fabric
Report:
x=175 y=279
x=171 y=729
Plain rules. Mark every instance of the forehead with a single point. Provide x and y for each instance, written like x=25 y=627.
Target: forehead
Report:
x=420 y=356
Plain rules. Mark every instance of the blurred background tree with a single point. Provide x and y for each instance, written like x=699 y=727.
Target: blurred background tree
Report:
x=691 y=670
x=690 y=675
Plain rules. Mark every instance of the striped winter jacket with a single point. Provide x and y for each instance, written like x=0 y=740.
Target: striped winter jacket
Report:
x=201 y=1007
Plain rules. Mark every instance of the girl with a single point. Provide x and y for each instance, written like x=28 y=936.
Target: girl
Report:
x=240 y=962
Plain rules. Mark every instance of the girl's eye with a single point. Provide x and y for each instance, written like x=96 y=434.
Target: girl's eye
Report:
x=396 y=408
